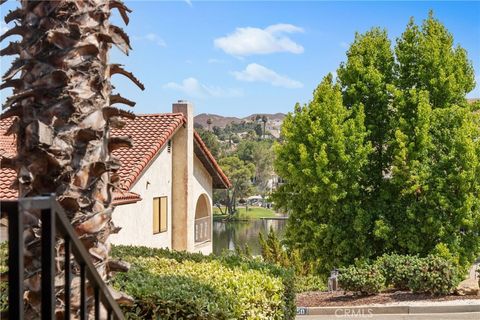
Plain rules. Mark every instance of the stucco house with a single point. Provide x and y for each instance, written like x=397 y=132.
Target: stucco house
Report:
x=167 y=181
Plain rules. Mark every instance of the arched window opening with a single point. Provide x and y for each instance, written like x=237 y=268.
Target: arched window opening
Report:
x=203 y=219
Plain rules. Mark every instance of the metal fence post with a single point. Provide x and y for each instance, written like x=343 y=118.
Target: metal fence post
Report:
x=48 y=264
x=15 y=263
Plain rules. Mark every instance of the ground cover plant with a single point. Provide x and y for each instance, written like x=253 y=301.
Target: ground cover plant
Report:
x=172 y=285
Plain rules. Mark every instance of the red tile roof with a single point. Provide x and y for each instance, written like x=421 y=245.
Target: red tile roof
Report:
x=149 y=134
x=125 y=197
x=7 y=149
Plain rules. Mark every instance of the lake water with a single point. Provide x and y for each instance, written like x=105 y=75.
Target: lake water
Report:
x=228 y=234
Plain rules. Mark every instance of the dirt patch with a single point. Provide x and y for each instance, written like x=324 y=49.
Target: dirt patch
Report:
x=325 y=299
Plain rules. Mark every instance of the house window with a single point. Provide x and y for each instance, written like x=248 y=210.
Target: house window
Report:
x=159 y=214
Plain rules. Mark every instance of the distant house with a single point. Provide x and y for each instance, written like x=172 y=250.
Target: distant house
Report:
x=167 y=181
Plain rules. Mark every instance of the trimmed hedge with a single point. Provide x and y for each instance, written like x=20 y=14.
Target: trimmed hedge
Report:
x=179 y=285
x=432 y=274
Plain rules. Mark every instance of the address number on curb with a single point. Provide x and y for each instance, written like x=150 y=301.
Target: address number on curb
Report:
x=301 y=311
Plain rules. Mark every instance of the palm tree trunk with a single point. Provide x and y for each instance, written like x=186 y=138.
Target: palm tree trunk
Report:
x=62 y=107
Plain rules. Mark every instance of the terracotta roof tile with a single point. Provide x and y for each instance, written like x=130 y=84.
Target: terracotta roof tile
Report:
x=125 y=197
x=149 y=134
x=7 y=149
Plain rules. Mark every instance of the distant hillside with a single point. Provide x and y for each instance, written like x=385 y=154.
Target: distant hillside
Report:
x=221 y=121
x=273 y=125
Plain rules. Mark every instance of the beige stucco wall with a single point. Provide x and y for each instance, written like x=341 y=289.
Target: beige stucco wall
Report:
x=136 y=219
x=202 y=184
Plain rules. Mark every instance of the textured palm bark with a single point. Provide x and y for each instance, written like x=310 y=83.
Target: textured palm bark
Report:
x=61 y=102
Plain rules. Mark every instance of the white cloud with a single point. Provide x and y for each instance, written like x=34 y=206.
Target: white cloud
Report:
x=249 y=40
x=152 y=37
x=258 y=73
x=219 y=61
x=192 y=87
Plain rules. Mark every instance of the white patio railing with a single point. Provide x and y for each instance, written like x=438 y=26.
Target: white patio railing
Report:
x=203 y=229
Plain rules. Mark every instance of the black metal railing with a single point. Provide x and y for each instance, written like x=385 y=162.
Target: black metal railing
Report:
x=54 y=223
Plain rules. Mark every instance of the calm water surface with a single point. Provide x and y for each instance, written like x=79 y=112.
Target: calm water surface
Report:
x=227 y=235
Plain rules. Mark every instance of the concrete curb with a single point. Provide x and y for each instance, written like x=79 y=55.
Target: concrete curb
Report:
x=400 y=309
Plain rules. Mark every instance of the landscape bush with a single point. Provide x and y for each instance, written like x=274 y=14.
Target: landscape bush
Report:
x=311 y=282
x=435 y=275
x=364 y=280
x=179 y=285
x=432 y=274
x=398 y=270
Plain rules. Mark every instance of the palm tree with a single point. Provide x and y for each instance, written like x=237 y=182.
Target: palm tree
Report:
x=264 y=120
x=62 y=108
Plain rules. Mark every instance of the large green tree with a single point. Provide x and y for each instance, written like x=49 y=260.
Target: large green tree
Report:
x=418 y=191
x=322 y=157
x=435 y=176
x=436 y=167
x=241 y=175
x=263 y=157
x=366 y=77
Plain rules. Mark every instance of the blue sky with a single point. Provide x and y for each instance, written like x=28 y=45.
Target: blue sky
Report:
x=239 y=58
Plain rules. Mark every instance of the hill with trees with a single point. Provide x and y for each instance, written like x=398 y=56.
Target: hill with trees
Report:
x=244 y=150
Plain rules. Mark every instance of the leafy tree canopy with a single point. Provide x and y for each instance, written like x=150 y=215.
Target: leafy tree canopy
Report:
x=388 y=159
x=322 y=158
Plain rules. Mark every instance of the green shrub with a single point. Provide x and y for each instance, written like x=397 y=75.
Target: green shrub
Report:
x=174 y=285
x=435 y=275
x=432 y=274
x=398 y=269
x=365 y=280
x=275 y=253
x=310 y=283
x=3 y=284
